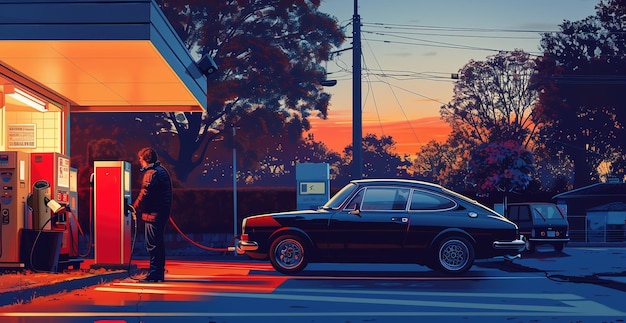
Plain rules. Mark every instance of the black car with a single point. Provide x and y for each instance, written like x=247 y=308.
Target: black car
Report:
x=383 y=221
x=539 y=224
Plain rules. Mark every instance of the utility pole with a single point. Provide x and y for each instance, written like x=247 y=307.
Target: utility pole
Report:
x=357 y=127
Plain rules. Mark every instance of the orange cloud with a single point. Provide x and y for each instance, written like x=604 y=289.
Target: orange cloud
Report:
x=409 y=135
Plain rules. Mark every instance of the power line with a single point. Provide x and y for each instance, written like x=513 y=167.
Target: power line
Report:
x=433 y=43
x=452 y=29
x=397 y=101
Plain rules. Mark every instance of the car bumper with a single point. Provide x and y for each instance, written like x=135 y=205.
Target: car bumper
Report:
x=517 y=245
x=549 y=240
x=243 y=246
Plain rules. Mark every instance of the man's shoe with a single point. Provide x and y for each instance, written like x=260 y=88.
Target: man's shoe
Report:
x=148 y=280
x=152 y=279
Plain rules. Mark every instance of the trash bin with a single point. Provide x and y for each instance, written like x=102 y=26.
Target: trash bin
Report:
x=39 y=249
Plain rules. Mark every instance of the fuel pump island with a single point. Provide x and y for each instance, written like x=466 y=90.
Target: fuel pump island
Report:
x=62 y=57
x=38 y=204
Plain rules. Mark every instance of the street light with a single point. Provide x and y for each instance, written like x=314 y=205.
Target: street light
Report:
x=328 y=82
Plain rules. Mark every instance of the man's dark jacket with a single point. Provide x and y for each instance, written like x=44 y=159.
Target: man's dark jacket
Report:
x=155 y=197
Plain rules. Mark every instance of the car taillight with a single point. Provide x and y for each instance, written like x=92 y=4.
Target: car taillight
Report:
x=243 y=237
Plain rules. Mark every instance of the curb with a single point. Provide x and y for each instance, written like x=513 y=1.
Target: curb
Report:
x=25 y=295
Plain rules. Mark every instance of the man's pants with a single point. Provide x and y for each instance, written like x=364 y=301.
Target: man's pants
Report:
x=155 y=245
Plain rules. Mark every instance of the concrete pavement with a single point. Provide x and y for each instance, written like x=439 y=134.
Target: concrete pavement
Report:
x=597 y=264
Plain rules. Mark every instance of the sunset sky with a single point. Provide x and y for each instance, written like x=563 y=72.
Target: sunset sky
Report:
x=411 y=48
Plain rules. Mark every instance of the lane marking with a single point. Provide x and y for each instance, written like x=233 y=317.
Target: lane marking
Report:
x=300 y=314
x=574 y=305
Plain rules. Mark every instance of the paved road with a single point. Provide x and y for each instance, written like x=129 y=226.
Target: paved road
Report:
x=578 y=285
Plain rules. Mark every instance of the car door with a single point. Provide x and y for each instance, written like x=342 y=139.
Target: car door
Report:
x=372 y=226
x=430 y=214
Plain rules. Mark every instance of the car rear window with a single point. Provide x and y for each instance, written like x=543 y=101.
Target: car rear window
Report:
x=427 y=201
x=546 y=211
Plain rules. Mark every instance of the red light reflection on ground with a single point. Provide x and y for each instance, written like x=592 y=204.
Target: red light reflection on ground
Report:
x=184 y=281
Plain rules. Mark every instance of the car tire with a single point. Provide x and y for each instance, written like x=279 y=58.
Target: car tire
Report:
x=454 y=255
x=559 y=247
x=288 y=254
x=529 y=247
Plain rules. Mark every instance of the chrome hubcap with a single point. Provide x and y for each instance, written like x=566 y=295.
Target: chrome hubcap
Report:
x=453 y=255
x=288 y=253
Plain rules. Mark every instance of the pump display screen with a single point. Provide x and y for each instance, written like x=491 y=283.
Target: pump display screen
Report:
x=126 y=181
x=63 y=172
x=4 y=160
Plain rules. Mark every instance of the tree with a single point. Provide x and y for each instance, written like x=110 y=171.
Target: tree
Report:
x=443 y=163
x=501 y=166
x=581 y=81
x=379 y=159
x=493 y=102
x=493 y=99
x=311 y=151
x=268 y=55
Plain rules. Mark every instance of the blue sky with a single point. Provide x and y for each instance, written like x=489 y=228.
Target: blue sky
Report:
x=410 y=48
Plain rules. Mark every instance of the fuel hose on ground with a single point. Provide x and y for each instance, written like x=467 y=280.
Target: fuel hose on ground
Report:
x=198 y=244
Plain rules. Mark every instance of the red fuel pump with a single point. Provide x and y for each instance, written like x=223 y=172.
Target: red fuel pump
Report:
x=112 y=221
x=54 y=168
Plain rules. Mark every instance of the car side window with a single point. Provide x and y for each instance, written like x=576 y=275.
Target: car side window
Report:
x=524 y=213
x=385 y=199
x=513 y=213
x=355 y=202
x=425 y=201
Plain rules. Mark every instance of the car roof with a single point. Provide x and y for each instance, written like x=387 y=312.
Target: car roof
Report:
x=397 y=181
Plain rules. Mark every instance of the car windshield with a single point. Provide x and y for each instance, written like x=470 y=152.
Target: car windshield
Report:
x=546 y=211
x=340 y=197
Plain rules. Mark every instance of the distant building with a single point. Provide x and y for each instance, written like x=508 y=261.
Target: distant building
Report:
x=596 y=213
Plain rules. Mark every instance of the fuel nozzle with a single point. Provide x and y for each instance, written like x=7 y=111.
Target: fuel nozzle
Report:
x=58 y=210
x=130 y=208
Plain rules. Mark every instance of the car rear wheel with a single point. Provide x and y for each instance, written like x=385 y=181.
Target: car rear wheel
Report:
x=455 y=255
x=288 y=254
x=559 y=246
x=530 y=247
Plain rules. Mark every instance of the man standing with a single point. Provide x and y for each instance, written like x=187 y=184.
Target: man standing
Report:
x=155 y=203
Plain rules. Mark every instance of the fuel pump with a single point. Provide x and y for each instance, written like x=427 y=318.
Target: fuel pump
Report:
x=112 y=219
x=14 y=213
x=53 y=168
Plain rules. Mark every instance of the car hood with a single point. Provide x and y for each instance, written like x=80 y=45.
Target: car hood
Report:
x=287 y=214
x=281 y=218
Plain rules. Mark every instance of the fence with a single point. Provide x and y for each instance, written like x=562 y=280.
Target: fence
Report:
x=596 y=229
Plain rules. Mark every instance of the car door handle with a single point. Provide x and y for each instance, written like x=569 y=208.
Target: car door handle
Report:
x=403 y=220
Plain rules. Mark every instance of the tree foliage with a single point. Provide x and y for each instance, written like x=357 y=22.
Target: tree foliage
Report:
x=581 y=78
x=501 y=166
x=268 y=55
x=493 y=103
x=493 y=99
x=379 y=159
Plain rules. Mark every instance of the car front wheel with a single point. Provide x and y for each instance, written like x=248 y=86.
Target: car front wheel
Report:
x=288 y=254
x=455 y=255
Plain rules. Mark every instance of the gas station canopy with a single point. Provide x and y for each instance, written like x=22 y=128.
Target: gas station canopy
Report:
x=112 y=55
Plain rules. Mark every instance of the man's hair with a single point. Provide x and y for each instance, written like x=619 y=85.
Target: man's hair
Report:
x=148 y=154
